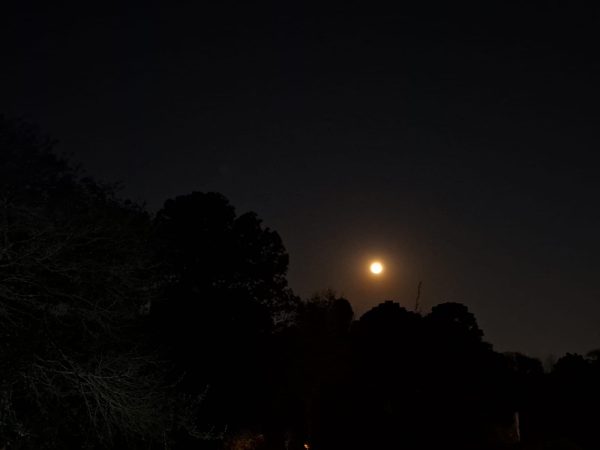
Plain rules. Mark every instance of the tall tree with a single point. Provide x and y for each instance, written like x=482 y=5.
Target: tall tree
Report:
x=224 y=290
x=73 y=279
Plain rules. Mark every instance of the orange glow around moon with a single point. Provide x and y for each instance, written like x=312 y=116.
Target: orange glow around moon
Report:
x=376 y=268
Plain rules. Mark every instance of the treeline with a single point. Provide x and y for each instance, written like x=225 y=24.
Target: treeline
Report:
x=123 y=329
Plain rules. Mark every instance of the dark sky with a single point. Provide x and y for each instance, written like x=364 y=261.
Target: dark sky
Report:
x=456 y=144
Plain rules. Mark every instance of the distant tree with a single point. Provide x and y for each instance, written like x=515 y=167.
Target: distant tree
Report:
x=574 y=407
x=466 y=379
x=524 y=391
x=455 y=319
x=387 y=344
x=320 y=362
x=388 y=339
x=571 y=366
x=73 y=280
x=594 y=355
x=325 y=313
x=387 y=318
x=524 y=365
x=526 y=377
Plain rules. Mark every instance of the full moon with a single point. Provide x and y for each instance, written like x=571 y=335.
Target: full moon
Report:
x=376 y=268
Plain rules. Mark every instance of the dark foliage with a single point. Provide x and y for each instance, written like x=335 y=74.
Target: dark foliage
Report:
x=122 y=330
x=224 y=292
x=76 y=277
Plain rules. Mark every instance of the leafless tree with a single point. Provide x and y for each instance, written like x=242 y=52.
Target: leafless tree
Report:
x=74 y=279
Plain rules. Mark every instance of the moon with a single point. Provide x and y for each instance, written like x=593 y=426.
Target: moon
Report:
x=376 y=268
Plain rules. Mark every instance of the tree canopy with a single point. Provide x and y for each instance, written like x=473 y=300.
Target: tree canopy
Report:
x=125 y=329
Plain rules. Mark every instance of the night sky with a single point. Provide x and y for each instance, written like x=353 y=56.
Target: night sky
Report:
x=458 y=144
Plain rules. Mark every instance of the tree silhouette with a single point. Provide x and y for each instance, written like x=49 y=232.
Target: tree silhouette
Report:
x=573 y=399
x=73 y=278
x=209 y=252
x=318 y=365
x=122 y=331
x=387 y=344
x=224 y=291
x=455 y=319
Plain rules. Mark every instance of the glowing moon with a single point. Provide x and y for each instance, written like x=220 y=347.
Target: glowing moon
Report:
x=376 y=268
